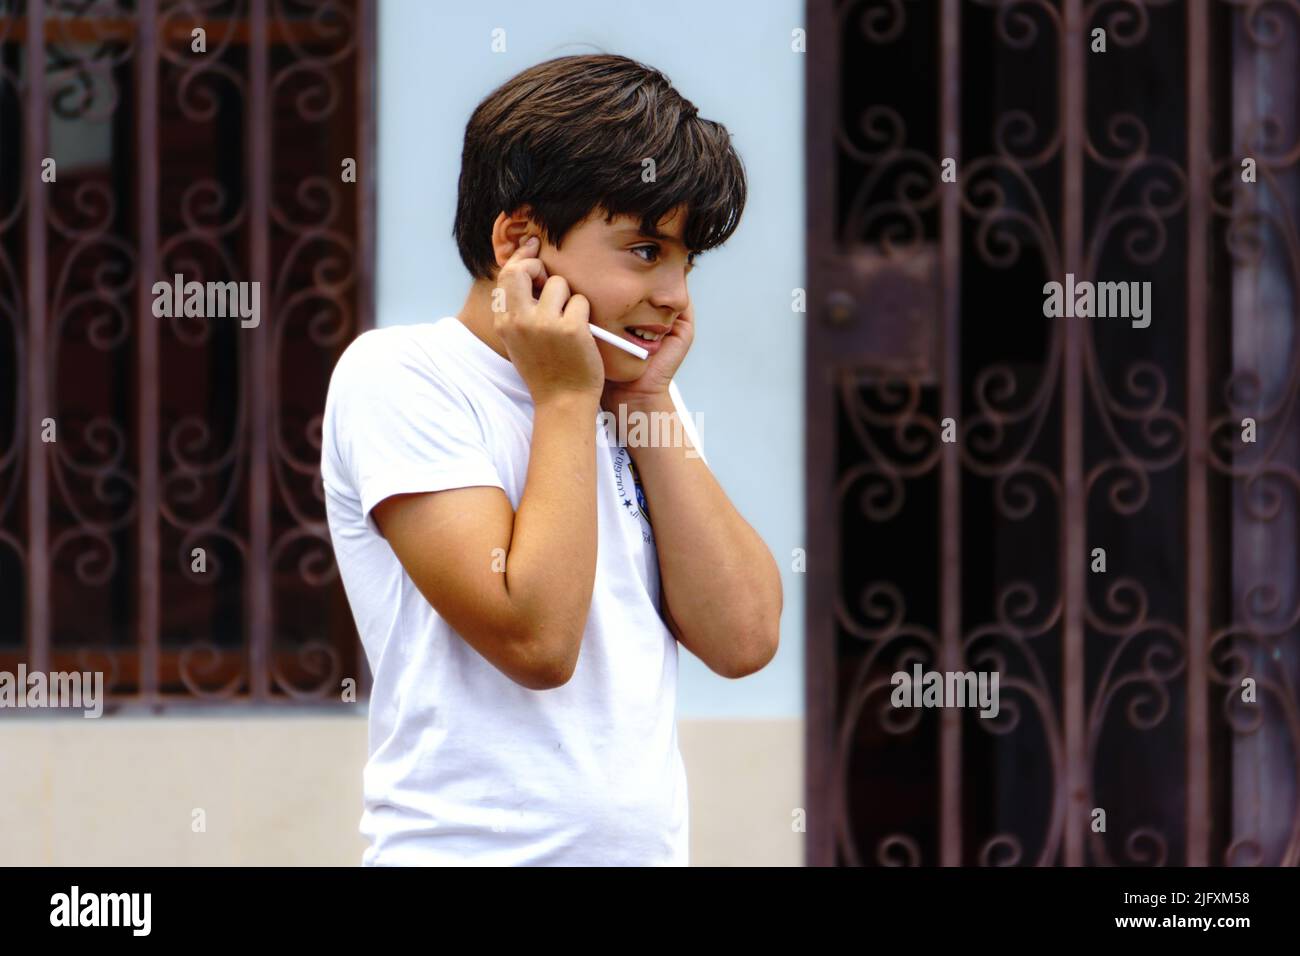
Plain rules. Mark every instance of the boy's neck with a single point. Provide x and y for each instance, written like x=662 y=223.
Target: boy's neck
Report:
x=477 y=316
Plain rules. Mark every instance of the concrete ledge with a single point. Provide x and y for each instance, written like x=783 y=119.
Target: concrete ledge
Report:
x=285 y=790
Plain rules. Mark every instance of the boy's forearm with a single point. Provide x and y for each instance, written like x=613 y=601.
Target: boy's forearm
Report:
x=551 y=567
x=721 y=580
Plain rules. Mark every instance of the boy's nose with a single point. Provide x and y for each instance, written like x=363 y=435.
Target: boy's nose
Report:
x=673 y=295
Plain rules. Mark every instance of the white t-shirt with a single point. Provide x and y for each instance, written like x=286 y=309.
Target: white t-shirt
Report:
x=465 y=765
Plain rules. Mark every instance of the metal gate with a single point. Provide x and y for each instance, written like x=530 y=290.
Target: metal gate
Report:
x=1101 y=512
x=161 y=514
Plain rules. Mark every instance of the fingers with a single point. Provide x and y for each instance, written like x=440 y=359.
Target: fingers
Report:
x=578 y=309
x=523 y=272
x=554 y=294
x=526 y=249
x=527 y=255
x=519 y=276
x=536 y=273
x=541 y=275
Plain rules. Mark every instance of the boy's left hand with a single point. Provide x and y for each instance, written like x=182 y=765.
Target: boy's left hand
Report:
x=660 y=368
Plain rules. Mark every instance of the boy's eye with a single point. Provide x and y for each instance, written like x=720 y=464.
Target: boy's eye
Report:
x=690 y=258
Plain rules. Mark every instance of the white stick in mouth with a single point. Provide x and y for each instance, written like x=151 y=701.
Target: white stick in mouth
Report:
x=614 y=340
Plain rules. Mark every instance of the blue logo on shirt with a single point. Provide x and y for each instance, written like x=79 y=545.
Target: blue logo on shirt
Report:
x=640 y=495
x=633 y=499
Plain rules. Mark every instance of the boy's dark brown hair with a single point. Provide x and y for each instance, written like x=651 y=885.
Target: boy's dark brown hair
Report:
x=569 y=135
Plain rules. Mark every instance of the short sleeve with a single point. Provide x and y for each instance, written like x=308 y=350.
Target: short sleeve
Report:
x=400 y=427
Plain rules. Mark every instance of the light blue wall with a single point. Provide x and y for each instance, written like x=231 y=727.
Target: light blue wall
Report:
x=745 y=370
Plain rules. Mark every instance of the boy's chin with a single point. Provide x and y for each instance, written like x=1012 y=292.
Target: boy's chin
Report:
x=621 y=368
x=616 y=377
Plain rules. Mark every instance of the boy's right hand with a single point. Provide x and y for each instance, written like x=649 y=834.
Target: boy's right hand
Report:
x=547 y=338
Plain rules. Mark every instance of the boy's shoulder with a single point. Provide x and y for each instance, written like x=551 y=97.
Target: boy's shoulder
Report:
x=388 y=354
x=397 y=380
x=388 y=342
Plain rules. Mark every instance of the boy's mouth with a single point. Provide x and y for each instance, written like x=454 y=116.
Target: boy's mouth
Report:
x=653 y=336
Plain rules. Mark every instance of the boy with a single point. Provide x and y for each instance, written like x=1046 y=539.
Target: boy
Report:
x=519 y=609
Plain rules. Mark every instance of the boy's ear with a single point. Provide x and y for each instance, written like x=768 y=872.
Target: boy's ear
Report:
x=509 y=231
